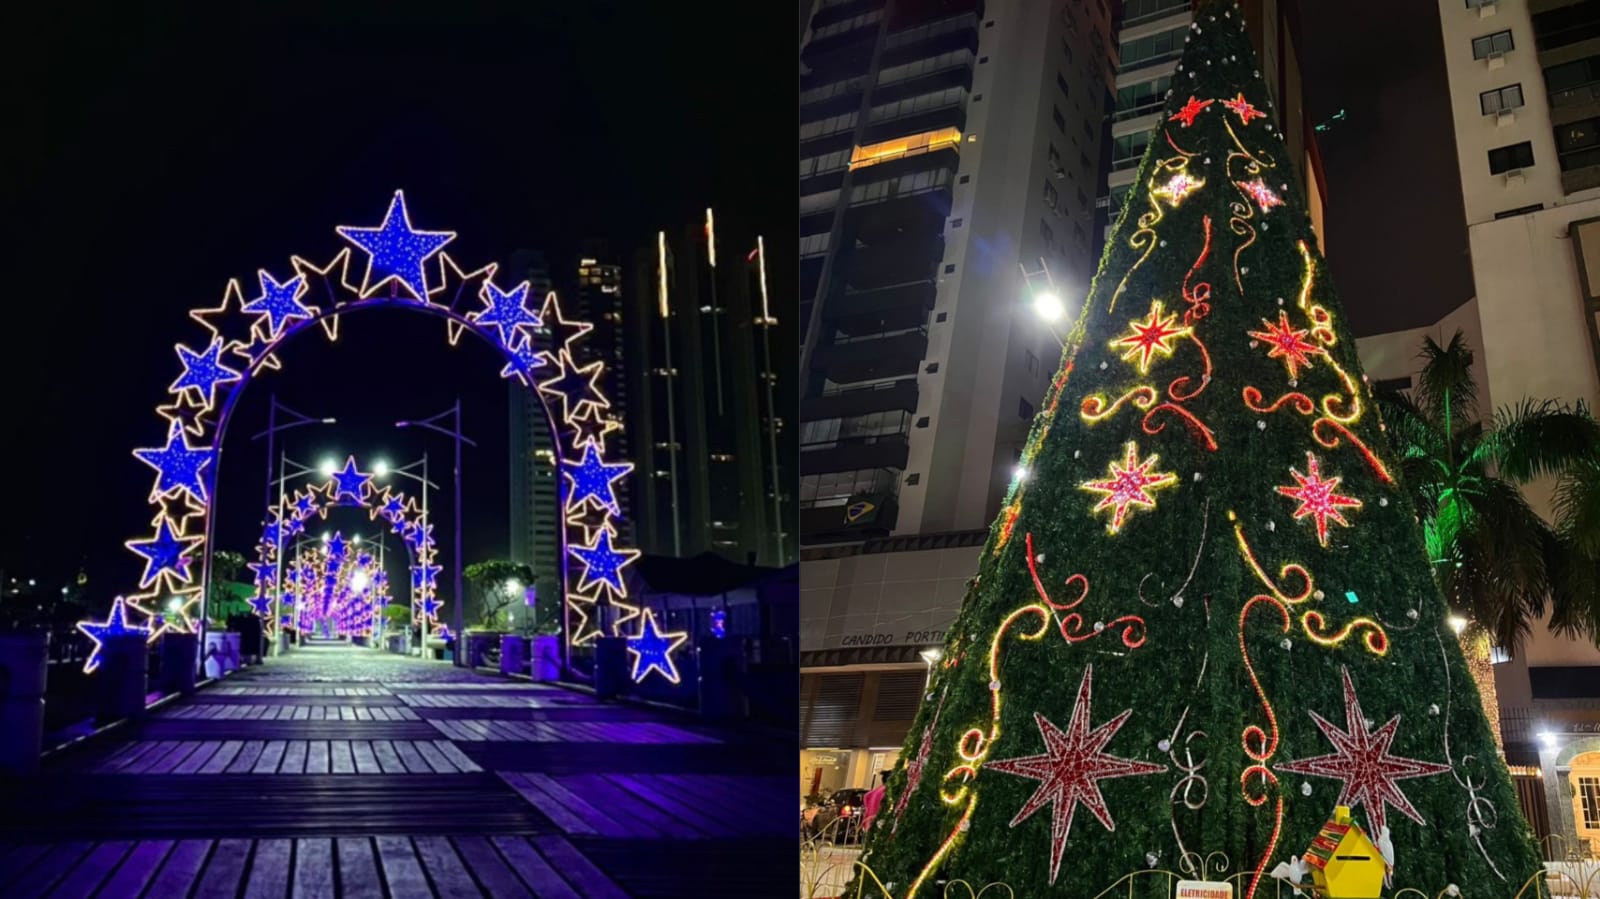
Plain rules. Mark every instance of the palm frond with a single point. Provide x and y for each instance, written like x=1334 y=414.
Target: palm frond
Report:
x=1540 y=437
x=1445 y=387
x=1501 y=550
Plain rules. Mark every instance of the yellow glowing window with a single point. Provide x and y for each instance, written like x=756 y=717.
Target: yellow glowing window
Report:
x=900 y=147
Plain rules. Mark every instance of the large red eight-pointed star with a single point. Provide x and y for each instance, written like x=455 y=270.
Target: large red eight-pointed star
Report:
x=1070 y=770
x=1287 y=343
x=1151 y=336
x=1317 y=498
x=1193 y=108
x=1361 y=759
x=1242 y=107
x=1128 y=486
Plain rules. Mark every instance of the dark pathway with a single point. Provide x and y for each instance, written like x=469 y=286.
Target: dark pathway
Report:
x=342 y=771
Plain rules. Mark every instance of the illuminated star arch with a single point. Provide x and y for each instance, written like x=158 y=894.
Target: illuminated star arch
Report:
x=388 y=264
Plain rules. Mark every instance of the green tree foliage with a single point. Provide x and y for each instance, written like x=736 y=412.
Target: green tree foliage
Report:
x=1498 y=562
x=496 y=587
x=1206 y=615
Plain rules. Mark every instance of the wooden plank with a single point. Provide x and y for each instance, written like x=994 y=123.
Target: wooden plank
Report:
x=245 y=761
x=199 y=757
x=223 y=757
x=313 y=869
x=641 y=818
x=156 y=753
x=569 y=819
x=401 y=870
x=490 y=868
x=317 y=757
x=269 y=870
x=137 y=869
x=696 y=815
x=294 y=758
x=388 y=760
x=590 y=881
x=339 y=757
x=444 y=868
x=182 y=866
x=433 y=757
x=366 y=762
x=81 y=882
x=358 y=869
x=533 y=869
x=271 y=755
x=410 y=757
x=174 y=758
x=456 y=756
x=13 y=863
x=224 y=872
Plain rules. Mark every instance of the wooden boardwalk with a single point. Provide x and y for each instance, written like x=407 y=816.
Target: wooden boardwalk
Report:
x=340 y=771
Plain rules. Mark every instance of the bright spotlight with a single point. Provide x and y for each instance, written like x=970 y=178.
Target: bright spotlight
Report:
x=932 y=654
x=1049 y=307
x=380 y=468
x=513 y=587
x=359 y=581
x=328 y=467
x=326 y=537
x=356 y=540
x=1020 y=473
x=1457 y=623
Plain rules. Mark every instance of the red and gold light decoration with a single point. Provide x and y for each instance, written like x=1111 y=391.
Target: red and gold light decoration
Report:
x=1129 y=486
x=1318 y=497
x=1150 y=337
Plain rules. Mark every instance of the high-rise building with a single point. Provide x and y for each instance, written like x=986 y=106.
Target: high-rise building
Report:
x=698 y=416
x=598 y=301
x=1150 y=38
x=942 y=146
x=1524 y=81
x=534 y=488
x=946 y=149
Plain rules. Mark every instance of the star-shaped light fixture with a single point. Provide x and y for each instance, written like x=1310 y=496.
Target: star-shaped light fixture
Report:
x=1186 y=115
x=562 y=332
x=396 y=251
x=603 y=564
x=164 y=551
x=350 y=481
x=506 y=312
x=116 y=624
x=1070 y=770
x=1261 y=193
x=591 y=478
x=1129 y=486
x=1317 y=498
x=1361 y=759
x=279 y=302
x=1286 y=342
x=178 y=465
x=576 y=387
x=203 y=371
x=652 y=650
x=1177 y=188
x=1241 y=107
x=1150 y=337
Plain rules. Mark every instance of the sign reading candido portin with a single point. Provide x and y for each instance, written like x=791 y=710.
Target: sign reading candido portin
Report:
x=1203 y=889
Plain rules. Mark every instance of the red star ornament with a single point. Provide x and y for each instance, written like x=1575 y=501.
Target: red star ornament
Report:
x=1261 y=193
x=916 y=766
x=1361 y=759
x=1070 y=770
x=1150 y=337
x=1240 y=106
x=1317 y=498
x=1190 y=110
x=1287 y=343
x=1128 y=486
x=1177 y=188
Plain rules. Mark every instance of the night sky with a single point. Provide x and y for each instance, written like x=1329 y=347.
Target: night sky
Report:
x=151 y=155
x=1396 y=230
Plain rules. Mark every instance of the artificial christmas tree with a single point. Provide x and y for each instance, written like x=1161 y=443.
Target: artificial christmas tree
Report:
x=1205 y=618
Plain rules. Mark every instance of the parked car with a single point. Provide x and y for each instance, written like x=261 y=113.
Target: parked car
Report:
x=839 y=818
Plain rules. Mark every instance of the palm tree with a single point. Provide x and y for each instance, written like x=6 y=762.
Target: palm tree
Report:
x=1501 y=566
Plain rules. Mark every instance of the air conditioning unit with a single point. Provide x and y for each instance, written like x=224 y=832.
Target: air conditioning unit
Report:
x=1495 y=60
x=1513 y=176
x=1505 y=117
x=1485 y=10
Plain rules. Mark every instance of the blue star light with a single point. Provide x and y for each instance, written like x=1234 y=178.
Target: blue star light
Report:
x=305 y=504
x=506 y=311
x=523 y=361
x=350 y=481
x=280 y=303
x=396 y=251
x=203 y=372
x=336 y=549
x=602 y=564
x=430 y=607
x=262 y=604
x=179 y=464
x=164 y=552
x=652 y=650
x=394 y=509
x=115 y=624
x=425 y=577
x=592 y=477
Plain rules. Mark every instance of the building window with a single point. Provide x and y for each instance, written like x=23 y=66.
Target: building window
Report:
x=1050 y=196
x=963 y=179
x=1589 y=800
x=932 y=369
x=1565 y=25
x=1153 y=48
x=922 y=422
x=1514 y=156
x=1045 y=234
x=955 y=223
x=1499 y=42
x=1578 y=144
x=1062 y=83
x=1500 y=99
x=913 y=479
x=1474 y=4
x=1520 y=210
x=939 y=318
x=1032 y=362
x=1061 y=123
x=950 y=269
x=1024 y=410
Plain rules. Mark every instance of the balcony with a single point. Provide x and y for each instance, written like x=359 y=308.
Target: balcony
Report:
x=834 y=522
x=1580 y=170
x=914 y=296
x=951 y=116
x=898 y=262
x=863 y=400
x=874 y=356
x=855 y=453
x=901 y=215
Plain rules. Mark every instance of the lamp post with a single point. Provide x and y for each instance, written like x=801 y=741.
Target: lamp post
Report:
x=1044 y=298
x=382 y=469
x=454 y=433
x=295 y=420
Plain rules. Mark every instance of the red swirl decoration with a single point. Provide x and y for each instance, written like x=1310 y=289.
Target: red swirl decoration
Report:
x=1133 y=629
x=1373 y=636
x=1038 y=585
x=1195 y=425
x=1095 y=408
x=1333 y=443
x=1175 y=389
x=1302 y=403
x=1265 y=744
x=1199 y=296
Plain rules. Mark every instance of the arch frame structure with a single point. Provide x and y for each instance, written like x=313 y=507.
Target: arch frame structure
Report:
x=402 y=267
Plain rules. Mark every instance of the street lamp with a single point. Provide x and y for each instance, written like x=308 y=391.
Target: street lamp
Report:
x=454 y=433
x=930 y=657
x=405 y=471
x=327 y=468
x=1048 y=306
x=380 y=468
x=1045 y=299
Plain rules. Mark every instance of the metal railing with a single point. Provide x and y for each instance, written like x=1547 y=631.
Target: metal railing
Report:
x=1583 y=93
